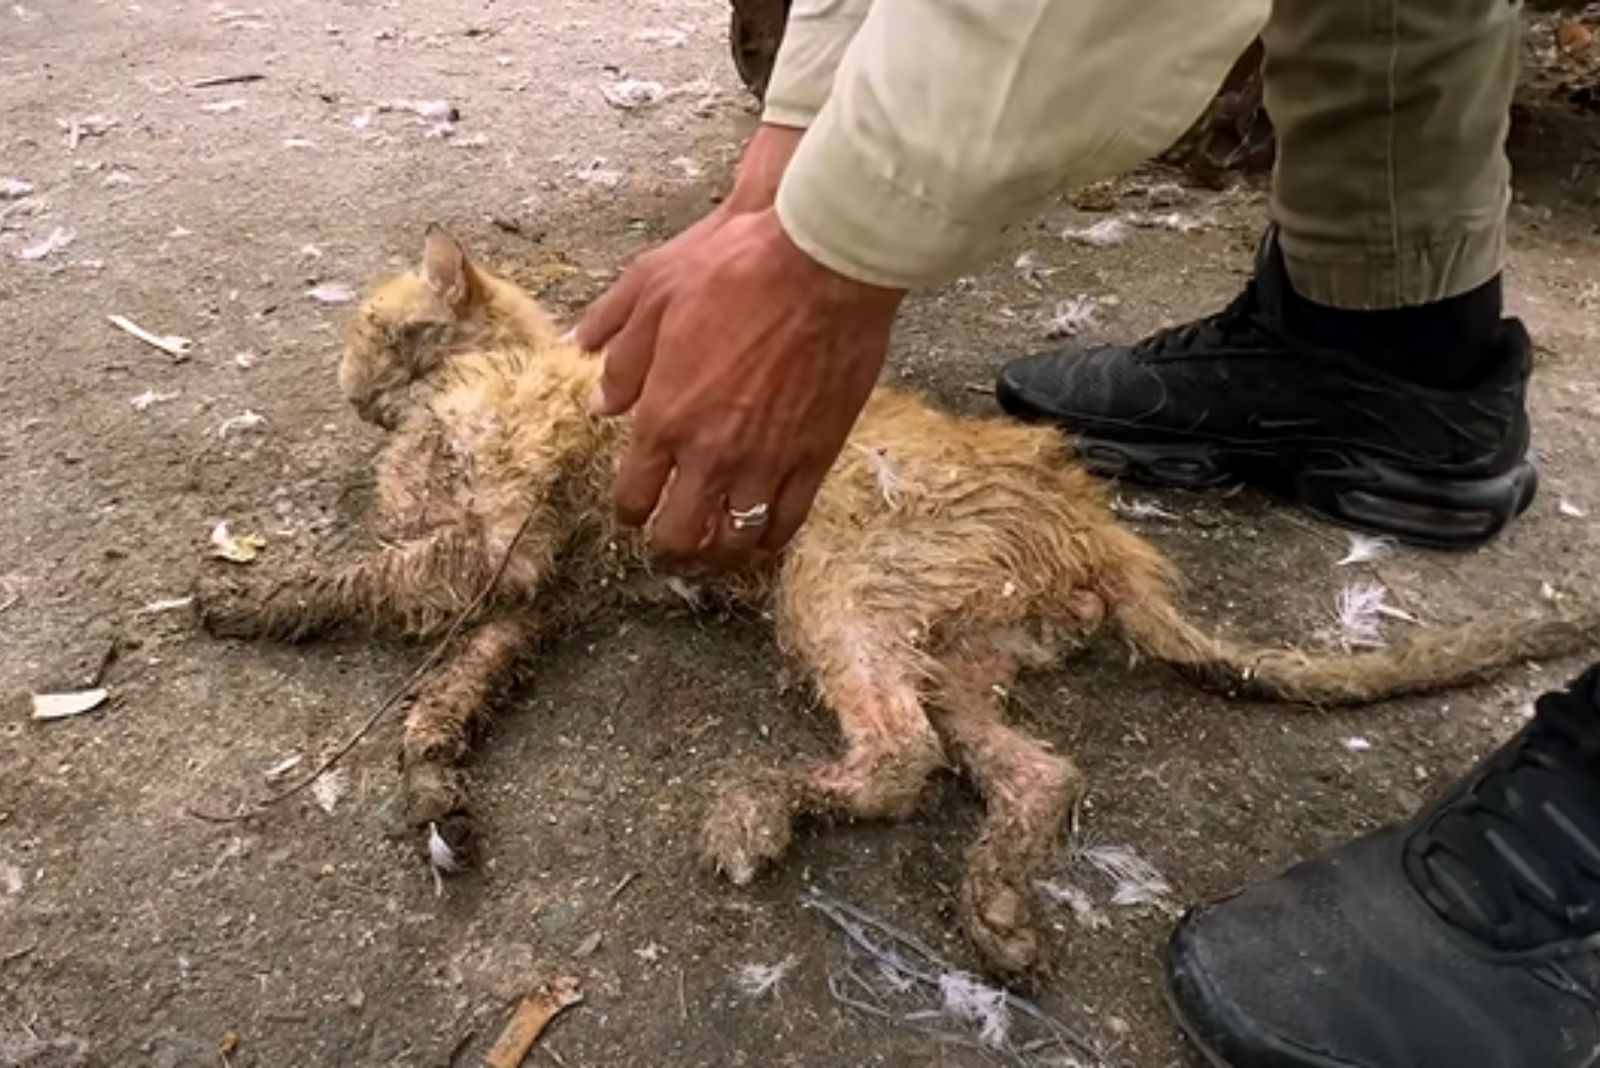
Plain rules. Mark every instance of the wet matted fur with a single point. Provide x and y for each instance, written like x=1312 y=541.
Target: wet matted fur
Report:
x=943 y=556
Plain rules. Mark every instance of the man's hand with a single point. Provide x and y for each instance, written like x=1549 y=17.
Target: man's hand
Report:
x=746 y=363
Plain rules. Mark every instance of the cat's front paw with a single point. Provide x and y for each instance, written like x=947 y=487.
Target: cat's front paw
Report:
x=227 y=607
x=748 y=827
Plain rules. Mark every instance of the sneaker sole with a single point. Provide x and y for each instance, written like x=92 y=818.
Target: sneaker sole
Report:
x=1344 y=487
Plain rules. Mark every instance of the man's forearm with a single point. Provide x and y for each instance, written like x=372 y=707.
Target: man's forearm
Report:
x=949 y=120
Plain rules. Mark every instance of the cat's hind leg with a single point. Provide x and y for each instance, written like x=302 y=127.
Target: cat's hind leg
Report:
x=1028 y=791
x=870 y=680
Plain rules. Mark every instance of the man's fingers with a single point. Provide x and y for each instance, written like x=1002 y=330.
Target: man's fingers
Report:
x=609 y=313
x=789 y=511
x=627 y=361
x=684 y=524
x=742 y=522
x=641 y=479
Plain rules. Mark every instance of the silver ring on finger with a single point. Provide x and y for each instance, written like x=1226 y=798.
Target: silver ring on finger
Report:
x=751 y=518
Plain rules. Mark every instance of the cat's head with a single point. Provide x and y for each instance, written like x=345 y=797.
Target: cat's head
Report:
x=412 y=323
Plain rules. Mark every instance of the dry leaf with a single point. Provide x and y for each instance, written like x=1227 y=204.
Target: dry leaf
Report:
x=171 y=344
x=1574 y=37
x=332 y=293
x=630 y=94
x=328 y=789
x=169 y=604
x=150 y=397
x=63 y=705
x=1103 y=234
x=533 y=1015
x=56 y=240
x=246 y=420
x=241 y=549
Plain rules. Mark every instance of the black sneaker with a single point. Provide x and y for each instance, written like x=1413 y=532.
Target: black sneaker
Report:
x=1238 y=397
x=1468 y=938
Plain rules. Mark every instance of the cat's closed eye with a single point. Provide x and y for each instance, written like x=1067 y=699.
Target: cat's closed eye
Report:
x=415 y=340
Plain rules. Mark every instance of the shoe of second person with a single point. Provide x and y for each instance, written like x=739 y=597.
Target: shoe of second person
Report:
x=1466 y=938
x=1238 y=396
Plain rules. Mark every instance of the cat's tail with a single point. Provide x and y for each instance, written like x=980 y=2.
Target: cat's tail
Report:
x=1140 y=605
x=1424 y=661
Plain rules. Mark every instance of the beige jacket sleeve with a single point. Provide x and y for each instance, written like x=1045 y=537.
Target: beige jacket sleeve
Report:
x=944 y=122
x=814 y=43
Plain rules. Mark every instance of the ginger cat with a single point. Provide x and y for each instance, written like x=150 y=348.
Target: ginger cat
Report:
x=943 y=556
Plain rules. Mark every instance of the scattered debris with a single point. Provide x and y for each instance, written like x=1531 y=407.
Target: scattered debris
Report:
x=245 y=420
x=595 y=172
x=227 y=1046
x=1027 y=265
x=1135 y=880
x=64 y=705
x=690 y=595
x=984 y=1006
x=650 y=954
x=532 y=1016
x=893 y=976
x=1177 y=221
x=631 y=94
x=88 y=126
x=167 y=604
x=244 y=360
x=144 y=401
x=226 y=79
x=1073 y=316
x=328 y=789
x=1136 y=509
x=1103 y=234
x=236 y=550
x=666 y=37
x=171 y=344
x=427 y=110
x=14 y=188
x=622 y=884
x=1077 y=899
x=1573 y=37
x=1570 y=510
x=282 y=768
x=12 y=879
x=1365 y=549
x=689 y=167
x=1357 y=744
x=1359 y=615
x=223 y=107
x=758 y=980
x=298 y=142
x=56 y=240
x=118 y=178
x=332 y=293
x=310 y=252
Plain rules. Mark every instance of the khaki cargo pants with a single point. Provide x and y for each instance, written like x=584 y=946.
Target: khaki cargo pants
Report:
x=1392 y=181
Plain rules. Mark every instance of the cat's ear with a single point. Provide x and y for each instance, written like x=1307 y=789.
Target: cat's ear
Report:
x=446 y=270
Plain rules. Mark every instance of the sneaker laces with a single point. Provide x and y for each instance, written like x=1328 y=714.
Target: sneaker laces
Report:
x=1516 y=859
x=1240 y=318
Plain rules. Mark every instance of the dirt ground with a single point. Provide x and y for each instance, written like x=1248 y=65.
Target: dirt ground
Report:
x=132 y=933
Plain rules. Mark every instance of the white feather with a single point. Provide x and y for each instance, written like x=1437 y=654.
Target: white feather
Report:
x=1367 y=549
x=973 y=1002
x=759 y=980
